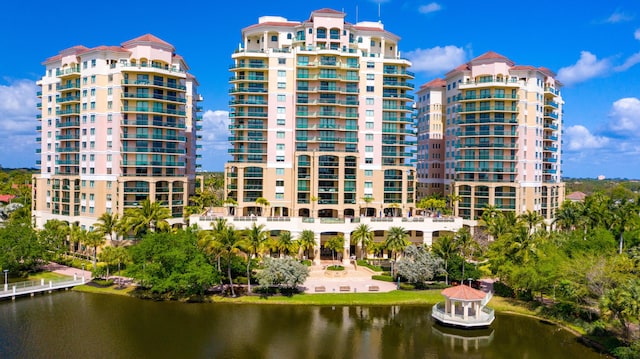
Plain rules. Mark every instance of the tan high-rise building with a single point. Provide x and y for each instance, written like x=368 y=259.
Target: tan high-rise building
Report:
x=320 y=120
x=490 y=133
x=118 y=126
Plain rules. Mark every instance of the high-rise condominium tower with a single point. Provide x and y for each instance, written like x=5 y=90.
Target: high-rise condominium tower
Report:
x=489 y=134
x=320 y=121
x=117 y=127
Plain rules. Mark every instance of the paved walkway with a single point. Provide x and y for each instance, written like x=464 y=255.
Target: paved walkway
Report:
x=354 y=281
x=70 y=271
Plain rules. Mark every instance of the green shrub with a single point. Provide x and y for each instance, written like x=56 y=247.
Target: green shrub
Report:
x=240 y=280
x=365 y=263
x=384 y=278
x=407 y=286
x=103 y=282
x=307 y=262
x=335 y=268
x=503 y=290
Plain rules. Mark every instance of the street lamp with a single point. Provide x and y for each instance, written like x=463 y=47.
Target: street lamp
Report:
x=83 y=272
x=6 y=279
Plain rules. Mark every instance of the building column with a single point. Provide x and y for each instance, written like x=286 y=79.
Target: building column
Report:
x=427 y=238
x=316 y=248
x=347 y=247
x=465 y=310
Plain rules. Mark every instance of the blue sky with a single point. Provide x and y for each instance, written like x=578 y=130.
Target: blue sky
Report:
x=594 y=48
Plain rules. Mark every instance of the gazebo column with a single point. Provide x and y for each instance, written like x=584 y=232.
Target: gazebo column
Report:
x=465 y=310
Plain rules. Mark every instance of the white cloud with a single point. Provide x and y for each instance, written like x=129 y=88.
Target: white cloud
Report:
x=215 y=130
x=624 y=118
x=578 y=138
x=587 y=67
x=437 y=59
x=617 y=17
x=629 y=62
x=636 y=34
x=18 y=123
x=429 y=8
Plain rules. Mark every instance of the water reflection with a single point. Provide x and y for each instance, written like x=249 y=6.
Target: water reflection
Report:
x=77 y=325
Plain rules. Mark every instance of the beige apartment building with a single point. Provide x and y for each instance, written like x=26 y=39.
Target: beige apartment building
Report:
x=118 y=126
x=320 y=120
x=490 y=133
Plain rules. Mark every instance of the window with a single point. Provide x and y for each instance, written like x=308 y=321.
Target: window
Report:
x=282 y=85
x=368 y=173
x=282 y=73
x=368 y=184
x=370 y=88
x=280 y=147
x=274 y=37
x=282 y=61
x=279 y=158
x=368 y=148
x=92 y=184
x=369 y=137
x=370 y=76
x=93 y=118
x=368 y=161
x=369 y=100
x=281 y=122
x=282 y=110
x=110 y=91
x=370 y=65
x=369 y=113
x=109 y=144
x=109 y=130
x=369 y=125
x=93 y=63
x=282 y=98
x=93 y=79
x=280 y=171
x=280 y=134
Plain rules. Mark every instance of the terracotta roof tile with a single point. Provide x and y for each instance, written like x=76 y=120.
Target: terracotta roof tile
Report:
x=6 y=198
x=435 y=83
x=576 y=196
x=273 y=23
x=148 y=38
x=463 y=292
x=328 y=11
x=491 y=55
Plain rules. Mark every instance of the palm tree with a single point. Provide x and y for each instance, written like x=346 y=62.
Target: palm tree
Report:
x=397 y=240
x=625 y=217
x=232 y=204
x=567 y=217
x=284 y=243
x=254 y=239
x=93 y=239
x=336 y=243
x=107 y=224
x=75 y=236
x=367 y=200
x=364 y=236
x=532 y=219
x=313 y=199
x=445 y=247
x=151 y=216
x=466 y=245
x=230 y=243
x=306 y=241
x=263 y=203
x=453 y=199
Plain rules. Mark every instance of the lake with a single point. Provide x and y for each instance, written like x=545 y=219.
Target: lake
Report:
x=84 y=325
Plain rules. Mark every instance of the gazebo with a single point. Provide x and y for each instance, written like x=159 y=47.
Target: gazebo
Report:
x=464 y=307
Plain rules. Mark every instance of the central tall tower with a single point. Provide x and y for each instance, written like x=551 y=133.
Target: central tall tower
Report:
x=320 y=120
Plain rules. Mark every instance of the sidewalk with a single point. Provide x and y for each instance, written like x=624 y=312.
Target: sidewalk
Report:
x=357 y=281
x=70 y=271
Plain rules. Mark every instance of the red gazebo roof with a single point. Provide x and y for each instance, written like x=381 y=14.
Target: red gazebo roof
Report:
x=463 y=292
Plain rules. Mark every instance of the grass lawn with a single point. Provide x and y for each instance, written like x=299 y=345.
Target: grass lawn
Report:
x=114 y=290
x=47 y=276
x=389 y=298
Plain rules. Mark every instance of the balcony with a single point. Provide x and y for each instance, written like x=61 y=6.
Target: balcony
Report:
x=168 y=84
x=153 y=110
x=70 y=111
x=68 y=99
x=133 y=95
x=68 y=124
x=69 y=71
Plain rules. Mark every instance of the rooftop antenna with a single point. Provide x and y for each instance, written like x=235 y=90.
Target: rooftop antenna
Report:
x=356 y=13
x=379 y=2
